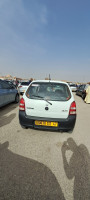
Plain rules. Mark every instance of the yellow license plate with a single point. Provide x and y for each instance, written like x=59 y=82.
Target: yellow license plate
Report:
x=46 y=123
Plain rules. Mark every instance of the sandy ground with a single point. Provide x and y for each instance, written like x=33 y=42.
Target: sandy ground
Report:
x=37 y=164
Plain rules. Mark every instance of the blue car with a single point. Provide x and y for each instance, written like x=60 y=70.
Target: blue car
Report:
x=8 y=93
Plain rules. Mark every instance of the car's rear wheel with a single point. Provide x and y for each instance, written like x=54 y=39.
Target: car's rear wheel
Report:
x=83 y=96
x=17 y=98
x=24 y=127
x=70 y=131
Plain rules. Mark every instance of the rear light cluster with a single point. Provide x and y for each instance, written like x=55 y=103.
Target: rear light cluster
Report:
x=20 y=86
x=22 y=105
x=72 y=110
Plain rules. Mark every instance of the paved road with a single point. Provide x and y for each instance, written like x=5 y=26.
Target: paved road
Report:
x=38 y=165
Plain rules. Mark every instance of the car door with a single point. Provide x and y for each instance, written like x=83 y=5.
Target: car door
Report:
x=4 y=98
x=12 y=92
x=9 y=92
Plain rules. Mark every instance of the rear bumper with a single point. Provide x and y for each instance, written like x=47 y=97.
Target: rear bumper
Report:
x=63 y=124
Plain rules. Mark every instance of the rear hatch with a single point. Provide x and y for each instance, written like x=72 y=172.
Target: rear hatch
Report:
x=42 y=108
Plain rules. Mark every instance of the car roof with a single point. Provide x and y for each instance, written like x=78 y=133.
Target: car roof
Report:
x=49 y=81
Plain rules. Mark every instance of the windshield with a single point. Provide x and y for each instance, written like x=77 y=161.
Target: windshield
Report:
x=49 y=91
x=25 y=83
x=72 y=85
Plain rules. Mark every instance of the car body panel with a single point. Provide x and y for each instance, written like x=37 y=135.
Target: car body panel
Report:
x=7 y=95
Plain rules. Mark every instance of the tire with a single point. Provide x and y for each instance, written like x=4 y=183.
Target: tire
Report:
x=76 y=93
x=69 y=131
x=17 y=98
x=21 y=93
x=24 y=127
x=83 y=96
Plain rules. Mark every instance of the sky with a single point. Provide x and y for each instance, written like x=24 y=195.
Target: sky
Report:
x=42 y=37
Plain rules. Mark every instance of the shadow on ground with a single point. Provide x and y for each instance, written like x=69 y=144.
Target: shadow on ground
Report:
x=78 y=168
x=26 y=179
x=4 y=111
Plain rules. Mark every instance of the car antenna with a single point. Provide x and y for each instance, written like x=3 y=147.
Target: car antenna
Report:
x=49 y=77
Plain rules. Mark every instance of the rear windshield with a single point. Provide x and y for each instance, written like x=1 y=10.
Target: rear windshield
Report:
x=72 y=85
x=25 y=83
x=50 y=91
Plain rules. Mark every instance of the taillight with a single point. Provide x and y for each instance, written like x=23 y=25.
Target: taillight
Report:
x=22 y=105
x=72 y=110
x=20 y=86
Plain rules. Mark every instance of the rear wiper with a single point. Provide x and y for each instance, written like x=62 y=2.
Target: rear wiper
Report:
x=42 y=98
x=47 y=101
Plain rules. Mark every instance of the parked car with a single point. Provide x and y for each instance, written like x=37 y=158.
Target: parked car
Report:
x=48 y=105
x=23 y=87
x=10 y=83
x=73 y=87
x=8 y=93
x=81 y=91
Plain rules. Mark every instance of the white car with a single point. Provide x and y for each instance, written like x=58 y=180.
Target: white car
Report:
x=48 y=105
x=22 y=87
x=73 y=87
